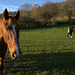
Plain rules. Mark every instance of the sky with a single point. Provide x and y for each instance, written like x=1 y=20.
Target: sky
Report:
x=14 y=5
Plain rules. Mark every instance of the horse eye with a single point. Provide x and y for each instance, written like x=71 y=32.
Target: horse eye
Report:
x=5 y=23
x=9 y=27
x=6 y=28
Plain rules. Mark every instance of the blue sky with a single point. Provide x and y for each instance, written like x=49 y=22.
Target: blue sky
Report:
x=14 y=5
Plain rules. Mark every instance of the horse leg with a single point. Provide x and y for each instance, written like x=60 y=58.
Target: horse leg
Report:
x=1 y=66
x=68 y=35
x=71 y=34
x=1 y=60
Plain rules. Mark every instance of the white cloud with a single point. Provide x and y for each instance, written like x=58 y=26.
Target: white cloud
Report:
x=9 y=7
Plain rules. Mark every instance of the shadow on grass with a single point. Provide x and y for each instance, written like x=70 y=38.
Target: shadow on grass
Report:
x=46 y=27
x=31 y=64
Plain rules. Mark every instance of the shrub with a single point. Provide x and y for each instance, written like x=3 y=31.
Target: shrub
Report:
x=53 y=21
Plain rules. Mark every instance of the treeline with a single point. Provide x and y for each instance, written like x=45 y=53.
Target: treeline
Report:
x=48 y=14
x=35 y=16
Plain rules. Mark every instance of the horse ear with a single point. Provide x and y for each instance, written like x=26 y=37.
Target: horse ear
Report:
x=17 y=15
x=5 y=14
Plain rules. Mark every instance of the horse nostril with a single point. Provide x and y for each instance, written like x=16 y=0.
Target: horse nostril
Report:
x=14 y=55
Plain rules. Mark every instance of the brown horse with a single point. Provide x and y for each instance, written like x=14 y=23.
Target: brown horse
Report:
x=9 y=36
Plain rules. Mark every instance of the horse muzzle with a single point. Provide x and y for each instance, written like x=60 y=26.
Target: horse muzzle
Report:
x=15 y=56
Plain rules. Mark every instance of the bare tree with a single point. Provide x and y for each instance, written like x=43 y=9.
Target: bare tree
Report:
x=26 y=7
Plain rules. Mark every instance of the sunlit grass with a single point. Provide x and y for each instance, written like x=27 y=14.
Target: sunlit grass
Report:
x=45 y=51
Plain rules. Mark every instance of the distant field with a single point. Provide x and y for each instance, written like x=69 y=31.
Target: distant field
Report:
x=45 y=51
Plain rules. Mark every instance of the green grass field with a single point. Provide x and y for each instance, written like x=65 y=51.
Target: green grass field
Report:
x=45 y=51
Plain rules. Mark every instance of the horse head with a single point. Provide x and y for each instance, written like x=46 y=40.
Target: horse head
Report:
x=10 y=33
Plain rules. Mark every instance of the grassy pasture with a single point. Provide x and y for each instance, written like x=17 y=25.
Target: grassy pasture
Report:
x=45 y=51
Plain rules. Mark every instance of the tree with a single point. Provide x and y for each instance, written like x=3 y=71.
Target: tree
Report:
x=25 y=10
x=67 y=8
x=26 y=7
x=35 y=13
x=45 y=11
